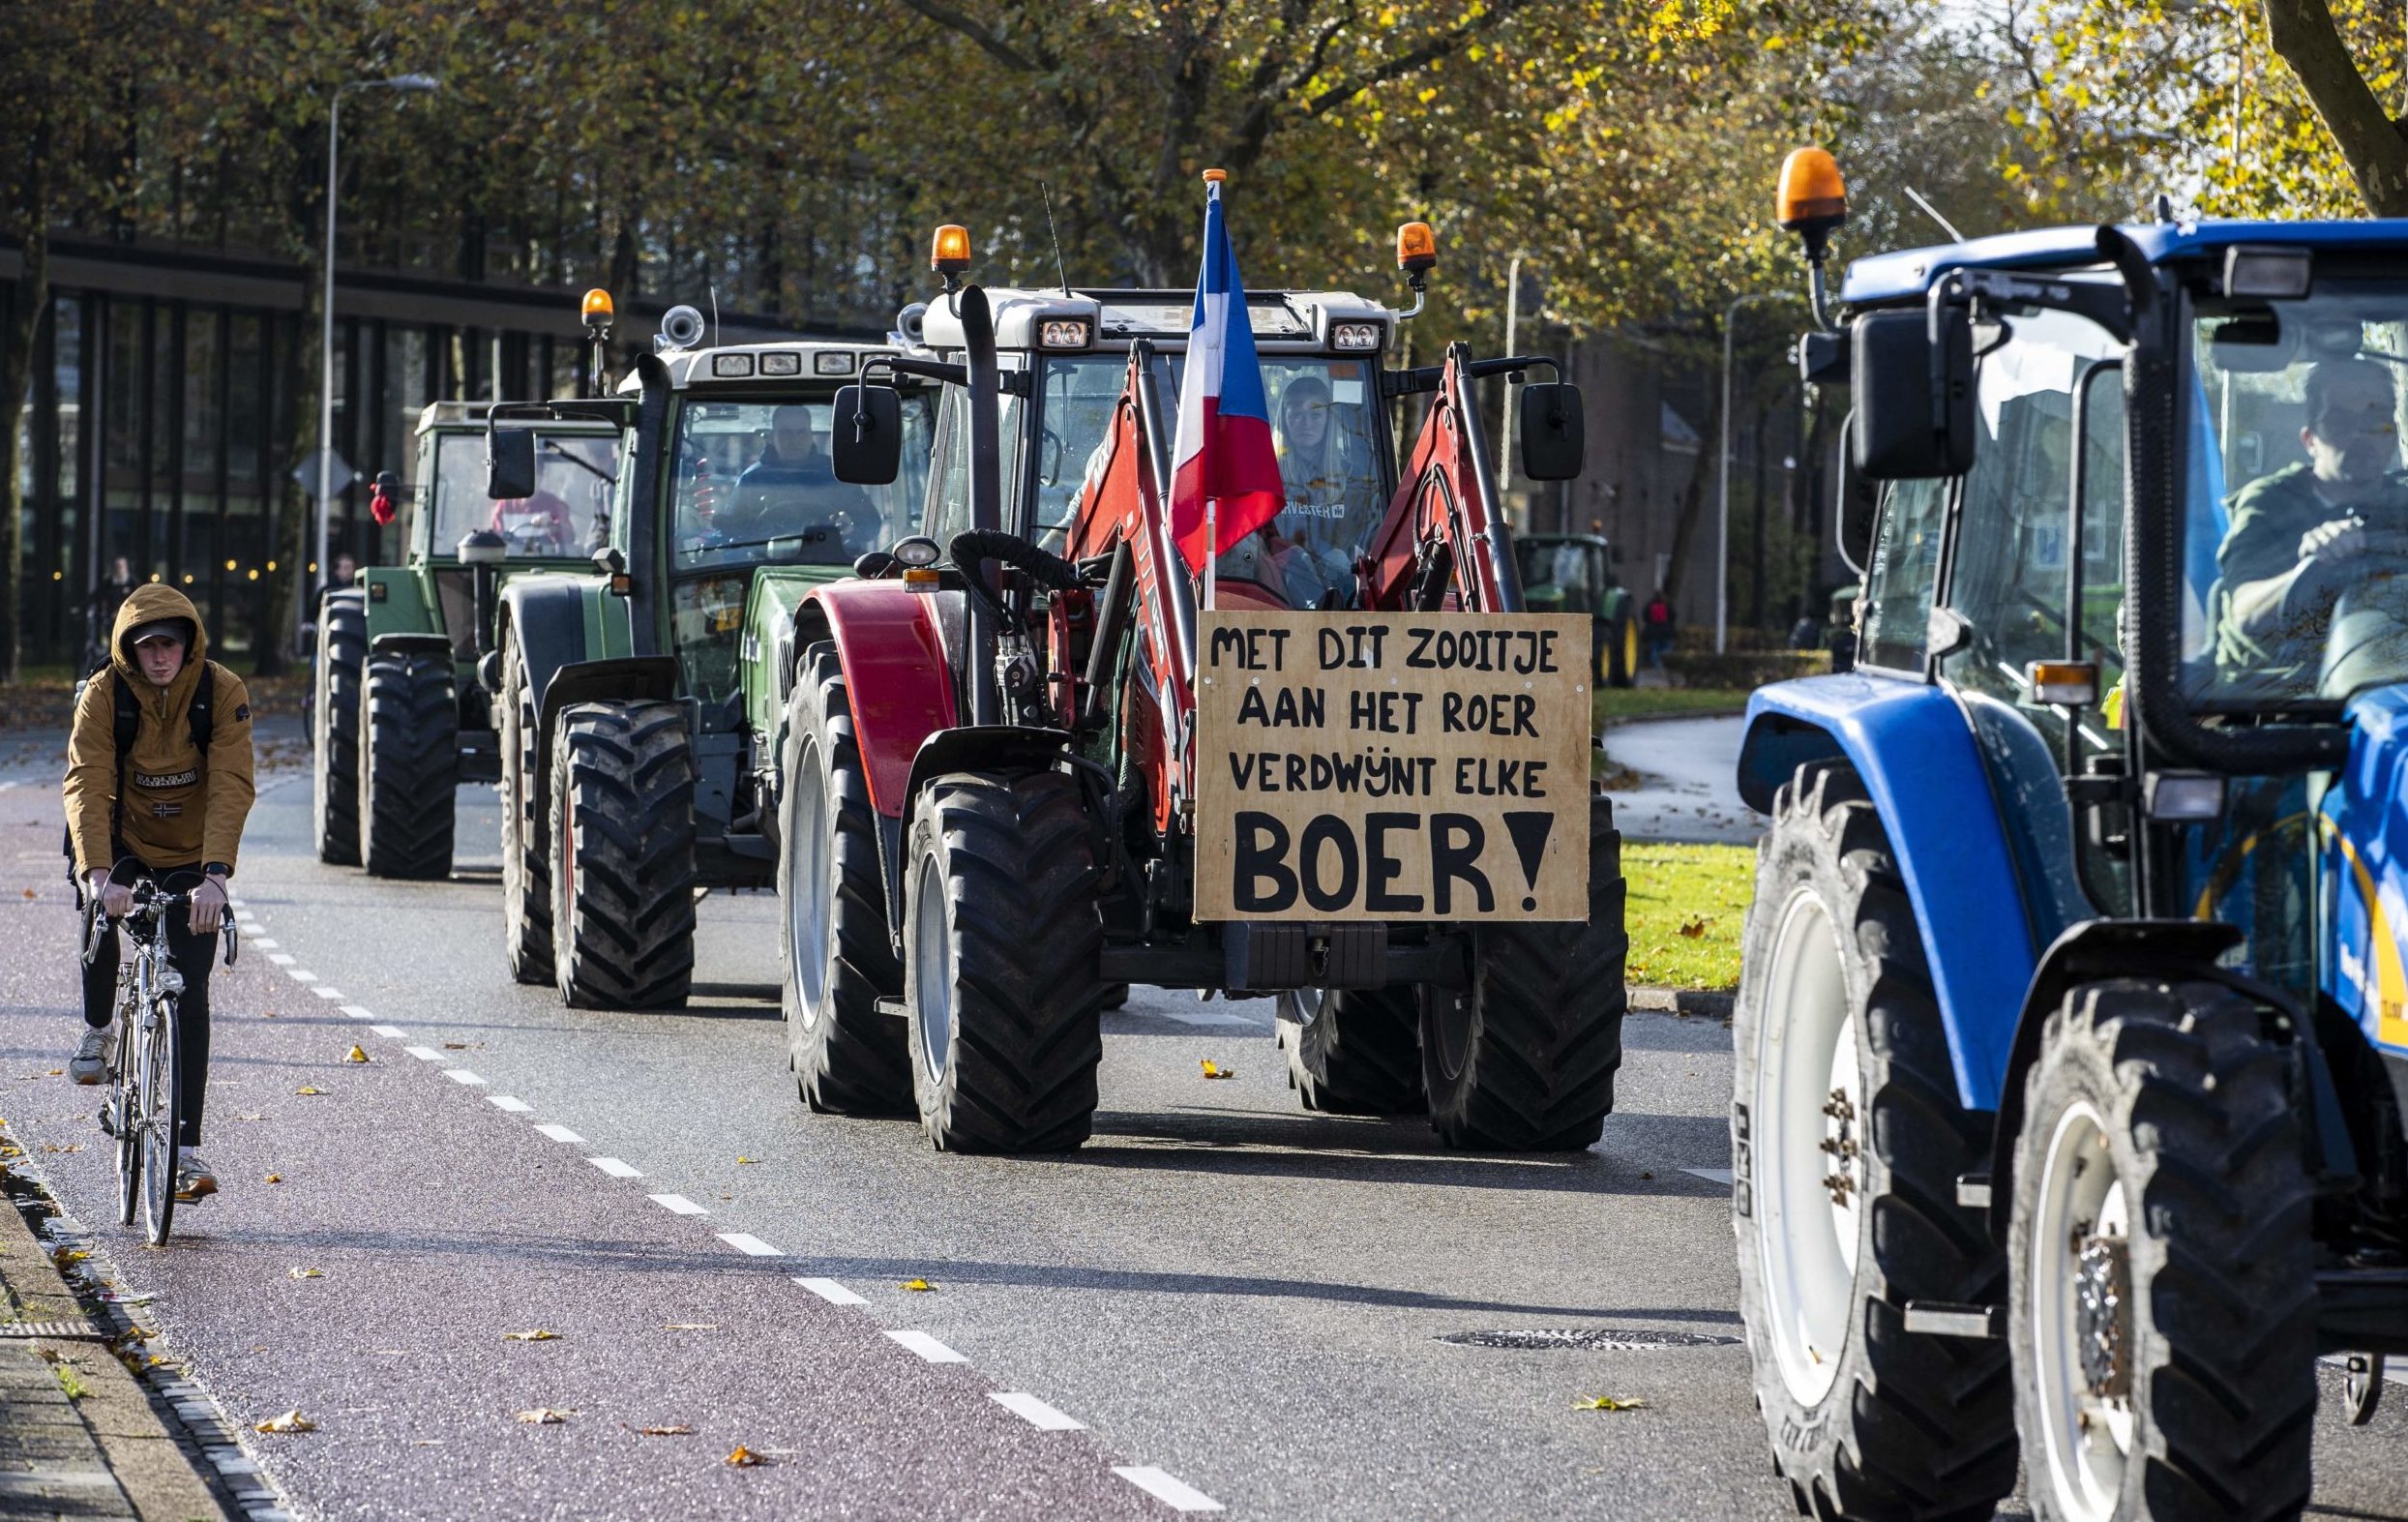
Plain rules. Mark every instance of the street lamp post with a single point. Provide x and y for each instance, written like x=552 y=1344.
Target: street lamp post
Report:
x=1722 y=508
x=408 y=84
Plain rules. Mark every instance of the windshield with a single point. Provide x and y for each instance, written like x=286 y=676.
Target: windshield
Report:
x=1324 y=425
x=569 y=516
x=2296 y=546
x=754 y=484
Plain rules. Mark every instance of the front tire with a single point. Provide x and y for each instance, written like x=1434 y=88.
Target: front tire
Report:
x=334 y=682
x=849 y=1059
x=163 y=1106
x=1524 y=1060
x=409 y=766
x=1353 y=1051
x=1847 y=1140
x=527 y=862
x=2163 y=1301
x=622 y=869
x=1003 y=950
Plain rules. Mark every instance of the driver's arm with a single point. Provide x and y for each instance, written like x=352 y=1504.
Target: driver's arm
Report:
x=2260 y=605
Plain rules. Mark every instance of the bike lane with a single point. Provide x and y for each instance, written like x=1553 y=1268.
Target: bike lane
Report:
x=379 y=1242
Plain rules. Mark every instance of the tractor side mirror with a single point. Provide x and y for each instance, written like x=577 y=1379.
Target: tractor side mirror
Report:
x=865 y=439
x=509 y=464
x=1553 y=444
x=1858 y=502
x=1913 y=378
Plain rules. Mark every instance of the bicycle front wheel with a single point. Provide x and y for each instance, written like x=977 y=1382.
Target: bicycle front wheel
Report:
x=162 y=1105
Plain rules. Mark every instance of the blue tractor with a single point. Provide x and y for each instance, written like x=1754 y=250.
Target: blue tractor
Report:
x=2073 y=1037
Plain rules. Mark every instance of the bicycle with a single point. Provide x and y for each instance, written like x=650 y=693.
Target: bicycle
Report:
x=145 y=1107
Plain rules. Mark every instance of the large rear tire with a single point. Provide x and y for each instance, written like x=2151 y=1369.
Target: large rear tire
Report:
x=1846 y=1141
x=1524 y=1060
x=2163 y=1308
x=622 y=868
x=409 y=766
x=1353 y=1051
x=1002 y=948
x=526 y=860
x=849 y=1059
x=335 y=684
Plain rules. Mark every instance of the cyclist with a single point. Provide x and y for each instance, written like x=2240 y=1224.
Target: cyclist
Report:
x=150 y=799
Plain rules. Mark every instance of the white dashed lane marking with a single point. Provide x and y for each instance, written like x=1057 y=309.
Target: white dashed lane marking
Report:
x=1176 y=1494
x=356 y=1012
x=299 y=975
x=280 y=959
x=461 y=1075
x=562 y=1134
x=1034 y=1412
x=832 y=1292
x=260 y=944
x=389 y=1032
x=507 y=1103
x=614 y=1168
x=327 y=992
x=423 y=1053
x=746 y=1242
x=925 y=1346
x=676 y=1204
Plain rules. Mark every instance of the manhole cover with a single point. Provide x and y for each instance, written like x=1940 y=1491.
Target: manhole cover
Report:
x=1609 y=1339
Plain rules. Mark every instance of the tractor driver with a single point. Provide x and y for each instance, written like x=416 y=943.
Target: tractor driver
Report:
x=2299 y=537
x=792 y=489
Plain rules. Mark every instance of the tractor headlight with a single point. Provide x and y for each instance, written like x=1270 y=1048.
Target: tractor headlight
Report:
x=2182 y=796
x=1354 y=338
x=730 y=367
x=838 y=364
x=782 y=363
x=1062 y=333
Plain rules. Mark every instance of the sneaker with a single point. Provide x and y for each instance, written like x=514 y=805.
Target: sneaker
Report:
x=90 y=1063
x=194 y=1178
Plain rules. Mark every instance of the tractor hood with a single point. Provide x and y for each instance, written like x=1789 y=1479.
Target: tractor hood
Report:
x=2363 y=830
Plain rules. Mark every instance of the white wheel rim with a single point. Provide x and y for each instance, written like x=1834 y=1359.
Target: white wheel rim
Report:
x=932 y=973
x=807 y=884
x=1809 y=1180
x=2086 y=1436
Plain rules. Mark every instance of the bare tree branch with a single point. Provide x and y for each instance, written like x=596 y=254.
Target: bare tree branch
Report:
x=2304 y=35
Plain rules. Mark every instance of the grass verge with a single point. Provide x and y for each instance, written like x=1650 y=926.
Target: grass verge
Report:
x=1614 y=704
x=1684 y=908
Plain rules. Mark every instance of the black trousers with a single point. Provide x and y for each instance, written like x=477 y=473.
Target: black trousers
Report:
x=193 y=956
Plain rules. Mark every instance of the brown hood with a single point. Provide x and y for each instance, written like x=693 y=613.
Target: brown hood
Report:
x=146 y=604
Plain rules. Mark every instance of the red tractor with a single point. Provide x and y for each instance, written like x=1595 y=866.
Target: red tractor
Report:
x=988 y=821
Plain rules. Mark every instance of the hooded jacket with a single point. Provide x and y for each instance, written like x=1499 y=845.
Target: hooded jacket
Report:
x=181 y=809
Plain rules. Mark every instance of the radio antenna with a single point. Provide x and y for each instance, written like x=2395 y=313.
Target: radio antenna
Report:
x=712 y=286
x=1052 y=232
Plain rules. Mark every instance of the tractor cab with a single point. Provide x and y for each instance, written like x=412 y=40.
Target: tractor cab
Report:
x=1063 y=357
x=1580 y=574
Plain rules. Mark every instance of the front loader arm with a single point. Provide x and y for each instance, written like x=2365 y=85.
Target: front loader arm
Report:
x=1445 y=533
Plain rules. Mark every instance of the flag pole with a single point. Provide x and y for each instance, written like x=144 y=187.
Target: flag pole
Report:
x=1212 y=550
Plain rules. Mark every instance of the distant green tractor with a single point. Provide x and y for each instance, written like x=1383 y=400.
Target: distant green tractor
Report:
x=1574 y=574
x=398 y=717
x=640 y=702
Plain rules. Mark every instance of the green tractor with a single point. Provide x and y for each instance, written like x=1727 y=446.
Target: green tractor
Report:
x=1574 y=574
x=640 y=703
x=398 y=718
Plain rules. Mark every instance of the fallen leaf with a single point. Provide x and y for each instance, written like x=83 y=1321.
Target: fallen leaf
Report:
x=307 y=1273
x=745 y=1458
x=290 y=1421
x=306 y=1088
x=544 y=1415
x=455 y=1046
x=267 y=1014
x=741 y=1160
x=537 y=1335
x=666 y=1432
x=355 y=1055
x=29 y=893
x=275 y=1177
x=1692 y=930
x=1607 y=1403
x=54 y=1072
x=1212 y=1069
x=918 y=1286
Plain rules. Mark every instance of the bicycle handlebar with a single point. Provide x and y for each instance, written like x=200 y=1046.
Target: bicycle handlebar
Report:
x=151 y=904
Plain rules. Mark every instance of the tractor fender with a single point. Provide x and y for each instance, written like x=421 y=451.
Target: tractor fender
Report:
x=971 y=748
x=1918 y=759
x=545 y=617
x=896 y=676
x=2172 y=950
x=633 y=678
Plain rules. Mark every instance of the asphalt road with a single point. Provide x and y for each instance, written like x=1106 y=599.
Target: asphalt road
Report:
x=1243 y=1305
x=1686 y=790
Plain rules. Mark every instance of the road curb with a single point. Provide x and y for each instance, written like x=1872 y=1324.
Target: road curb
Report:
x=1623 y=720
x=1682 y=1002
x=102 y=1454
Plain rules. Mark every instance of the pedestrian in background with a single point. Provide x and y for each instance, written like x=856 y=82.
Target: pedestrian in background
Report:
x=1657 y=627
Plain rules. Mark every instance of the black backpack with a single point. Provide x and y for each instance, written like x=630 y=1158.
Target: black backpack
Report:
x=202 y=717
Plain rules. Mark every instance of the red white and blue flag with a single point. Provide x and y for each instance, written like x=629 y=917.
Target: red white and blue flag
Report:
x=1223 y=452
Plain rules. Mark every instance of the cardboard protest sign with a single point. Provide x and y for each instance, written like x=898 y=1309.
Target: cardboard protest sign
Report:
x=1392 y=766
